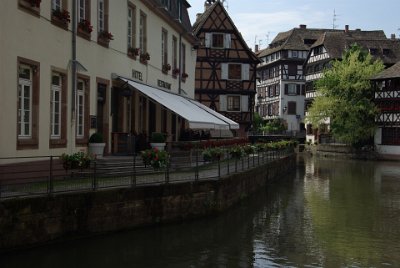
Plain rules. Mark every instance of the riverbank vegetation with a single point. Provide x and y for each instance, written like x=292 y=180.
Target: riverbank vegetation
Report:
x=345 y=97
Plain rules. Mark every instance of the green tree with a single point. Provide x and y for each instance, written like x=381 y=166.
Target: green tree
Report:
x=345 y=96
x=257 y=122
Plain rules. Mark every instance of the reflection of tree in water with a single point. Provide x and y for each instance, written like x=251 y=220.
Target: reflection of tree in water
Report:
x=346 y=223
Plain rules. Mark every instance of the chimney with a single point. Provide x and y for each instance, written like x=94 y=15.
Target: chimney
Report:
x=303 y=26
x=256 y=48
x=393 y=36
x=198 y=15
x=346 y=28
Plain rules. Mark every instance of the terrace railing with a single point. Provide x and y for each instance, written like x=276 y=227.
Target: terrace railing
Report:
x=45 y=175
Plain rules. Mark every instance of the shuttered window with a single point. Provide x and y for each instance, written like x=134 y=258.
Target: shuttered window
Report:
x=235 y=71
x=217 y=40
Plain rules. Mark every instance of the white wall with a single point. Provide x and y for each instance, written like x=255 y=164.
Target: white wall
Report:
x=36 y=38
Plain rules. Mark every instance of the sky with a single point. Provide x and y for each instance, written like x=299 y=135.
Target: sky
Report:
x=260 y=21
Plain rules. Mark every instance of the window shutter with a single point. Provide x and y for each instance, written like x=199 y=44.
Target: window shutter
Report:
x=298 y=89
x=244 y=103
x=224 y=71
x=286 y=89
x=303 y=90
x=222 y=103
x=227 y=41
x=207 y=40
x=245 y=72
x=87 y=10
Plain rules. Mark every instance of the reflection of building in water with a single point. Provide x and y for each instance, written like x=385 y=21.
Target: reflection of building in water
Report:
x=387 y=184
x=316 y=178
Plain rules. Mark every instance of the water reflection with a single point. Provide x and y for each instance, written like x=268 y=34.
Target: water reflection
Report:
x=329 y=213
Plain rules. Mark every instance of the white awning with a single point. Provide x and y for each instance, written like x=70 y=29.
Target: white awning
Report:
x=197 y=116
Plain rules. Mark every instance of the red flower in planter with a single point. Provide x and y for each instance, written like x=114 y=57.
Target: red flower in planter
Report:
x=85 y=26
x=106 y=35
x=62 y=15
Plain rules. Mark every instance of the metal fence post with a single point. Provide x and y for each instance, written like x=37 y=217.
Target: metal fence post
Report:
x=133 y=176
x=228 y=158
x=196 y=173
x=167 y=170
x=50 y=185
x=219 y=168
x=94 y=183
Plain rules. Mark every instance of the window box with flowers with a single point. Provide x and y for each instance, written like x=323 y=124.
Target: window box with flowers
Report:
x=175 y=72
x=133 y=52
x=85 y=29
x=61 y=18
x=104 y=37
x=144 y=57
x=32 y=6
x=166 y=68
x=184 y=76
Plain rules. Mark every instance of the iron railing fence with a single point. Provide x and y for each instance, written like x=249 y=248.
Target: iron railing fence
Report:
x=45 y=175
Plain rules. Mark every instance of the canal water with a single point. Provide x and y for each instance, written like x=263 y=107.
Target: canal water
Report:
x=329 y=213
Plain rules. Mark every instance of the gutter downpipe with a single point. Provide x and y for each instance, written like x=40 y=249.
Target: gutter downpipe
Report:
x=74 y=76
x=180 y=64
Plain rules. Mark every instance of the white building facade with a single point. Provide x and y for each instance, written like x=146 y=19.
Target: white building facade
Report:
x=60 y=72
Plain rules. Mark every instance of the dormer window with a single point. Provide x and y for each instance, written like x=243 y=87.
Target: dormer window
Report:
x=386 y=51
x=166 y=4
x=373 y=51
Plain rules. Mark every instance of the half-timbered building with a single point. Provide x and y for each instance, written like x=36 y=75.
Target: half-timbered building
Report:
x=331 y=45
x=387 y=98
x=225 y=77
x=280 y=89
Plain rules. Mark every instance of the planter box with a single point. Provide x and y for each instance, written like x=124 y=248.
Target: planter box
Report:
x=97 y=149
x=159 y=146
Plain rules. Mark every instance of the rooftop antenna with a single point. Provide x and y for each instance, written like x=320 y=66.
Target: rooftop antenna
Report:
x=334 y=19
x=267 y=35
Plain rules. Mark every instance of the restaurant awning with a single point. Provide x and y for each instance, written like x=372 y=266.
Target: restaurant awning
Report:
x=198 y=115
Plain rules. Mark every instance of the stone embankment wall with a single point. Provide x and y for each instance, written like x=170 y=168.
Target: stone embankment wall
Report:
x=34 y=221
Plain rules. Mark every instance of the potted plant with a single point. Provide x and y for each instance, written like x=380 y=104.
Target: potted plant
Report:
x=158 y=140
x=156 y=158
x=96 y=145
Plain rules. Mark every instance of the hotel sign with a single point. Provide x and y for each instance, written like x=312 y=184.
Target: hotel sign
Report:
x=137 y=75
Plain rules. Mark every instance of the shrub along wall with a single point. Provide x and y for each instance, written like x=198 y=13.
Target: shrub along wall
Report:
x=33 y=221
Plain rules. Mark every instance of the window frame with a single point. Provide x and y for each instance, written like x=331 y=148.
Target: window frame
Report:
x=233 y=103
x=83 y=138
x=143 y=32
x=55 y=112
x=174 y=53
x=31 y=141
x=164 y=48
x=61 y=140
x=131 y=26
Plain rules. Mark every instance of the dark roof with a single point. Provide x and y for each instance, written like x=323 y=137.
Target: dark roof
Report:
x=391 y=72
x=294 y=40
x=173 y=12
x=337 y=42
x=202 y=18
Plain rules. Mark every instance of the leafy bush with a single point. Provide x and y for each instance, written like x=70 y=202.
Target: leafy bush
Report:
x=274 y=126
x=96 y=137
x=76 y=160
x=236 y=152
x=157 y=137
x=212 y=154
